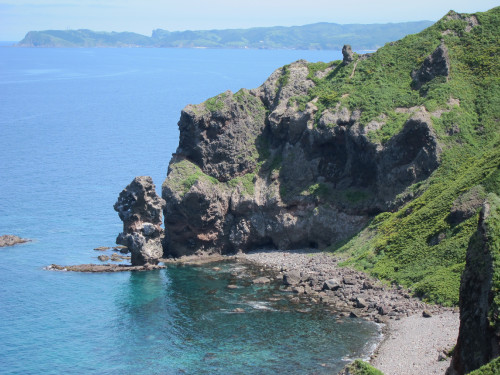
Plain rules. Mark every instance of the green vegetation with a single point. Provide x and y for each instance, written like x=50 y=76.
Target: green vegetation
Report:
x=184 y=175
x=84 y=38
x=216 y=103
x=416 y=246
x=285 y=76
x=314 y=36
x=491 y=368
x=359 y=367
x=246 y=182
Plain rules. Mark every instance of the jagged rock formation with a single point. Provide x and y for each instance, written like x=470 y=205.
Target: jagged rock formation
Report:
x=479 y=336
x=348 y=55
x=437 y=64
x=140 y=209
x=253 y=170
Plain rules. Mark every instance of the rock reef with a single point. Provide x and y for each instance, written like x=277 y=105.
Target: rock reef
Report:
x=11 y=240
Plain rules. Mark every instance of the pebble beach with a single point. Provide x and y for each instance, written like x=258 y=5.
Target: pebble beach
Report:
x=417 y=337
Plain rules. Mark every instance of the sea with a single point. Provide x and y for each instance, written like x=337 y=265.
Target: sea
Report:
x=76 y=126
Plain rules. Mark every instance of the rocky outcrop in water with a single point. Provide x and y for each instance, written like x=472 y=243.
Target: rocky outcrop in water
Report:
x=253 y=170
x=479 y=336
x=10 y=240
x=140 y=209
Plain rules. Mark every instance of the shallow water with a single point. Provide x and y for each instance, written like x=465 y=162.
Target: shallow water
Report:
x=76 y=126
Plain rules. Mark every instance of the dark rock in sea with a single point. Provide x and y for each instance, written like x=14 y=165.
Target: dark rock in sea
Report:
x=140 y=209
x=348 y=55
x=102 y=248
x=478 y=338
x=437 y=64
x=121 y=249
x=10 y=240
x=103 y=258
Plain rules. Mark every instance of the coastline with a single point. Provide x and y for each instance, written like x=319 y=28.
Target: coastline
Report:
x=410 y=344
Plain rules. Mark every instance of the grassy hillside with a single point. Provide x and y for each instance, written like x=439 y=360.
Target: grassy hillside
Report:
x=83 y=38
x=315 y=36
x=421 y=245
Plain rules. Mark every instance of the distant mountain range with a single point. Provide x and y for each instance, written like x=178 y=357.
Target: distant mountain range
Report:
x=323 y=35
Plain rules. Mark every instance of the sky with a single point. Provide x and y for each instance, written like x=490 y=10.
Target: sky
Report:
x=17 y=17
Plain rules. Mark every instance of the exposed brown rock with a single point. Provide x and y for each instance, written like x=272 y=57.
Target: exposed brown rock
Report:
x=10 y=240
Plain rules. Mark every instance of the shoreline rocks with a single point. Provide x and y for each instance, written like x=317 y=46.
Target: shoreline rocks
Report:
x=99 y=268
x=314 y=275
x=11 y=240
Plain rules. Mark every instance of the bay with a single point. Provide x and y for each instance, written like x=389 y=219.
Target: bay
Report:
x=76 y=125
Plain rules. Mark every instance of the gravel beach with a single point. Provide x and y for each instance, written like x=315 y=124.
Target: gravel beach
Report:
x=412 y=344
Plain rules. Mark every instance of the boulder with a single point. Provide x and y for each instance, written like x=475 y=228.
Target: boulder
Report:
x=140 y=209
x=331 y=284
x=261 y=280
x=291 y=278
x=103 y=258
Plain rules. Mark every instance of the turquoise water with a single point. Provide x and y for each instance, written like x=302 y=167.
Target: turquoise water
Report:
x=76 y=125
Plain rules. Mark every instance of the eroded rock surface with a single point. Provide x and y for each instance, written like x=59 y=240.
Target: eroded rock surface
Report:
x=253 y=169
x=140 y=209
x=437 y=64
x=479 y=337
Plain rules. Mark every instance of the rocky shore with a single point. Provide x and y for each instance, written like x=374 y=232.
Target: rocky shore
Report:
x=315 y=275
x=417 y=337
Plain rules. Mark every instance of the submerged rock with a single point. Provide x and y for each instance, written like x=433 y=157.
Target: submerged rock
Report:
x=140 y=209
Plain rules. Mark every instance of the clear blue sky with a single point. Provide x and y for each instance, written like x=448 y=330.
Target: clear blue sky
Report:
x=142 y=16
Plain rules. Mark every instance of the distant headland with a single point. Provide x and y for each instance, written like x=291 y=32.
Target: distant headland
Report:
x=318 y=36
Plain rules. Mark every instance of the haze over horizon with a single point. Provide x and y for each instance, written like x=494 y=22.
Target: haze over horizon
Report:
x=17 y=17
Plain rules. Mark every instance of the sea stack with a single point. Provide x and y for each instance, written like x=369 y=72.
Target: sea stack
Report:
x=140 y=209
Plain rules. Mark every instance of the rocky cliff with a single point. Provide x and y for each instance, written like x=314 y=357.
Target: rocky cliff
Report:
x=140 y=209
x=254 y=169
x=384 y=158
x=479 y=337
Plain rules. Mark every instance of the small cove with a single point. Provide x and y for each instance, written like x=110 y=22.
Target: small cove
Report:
x=77 y=126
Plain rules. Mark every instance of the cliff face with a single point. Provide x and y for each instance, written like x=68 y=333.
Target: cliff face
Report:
x=253 y=169
x=479 y=337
